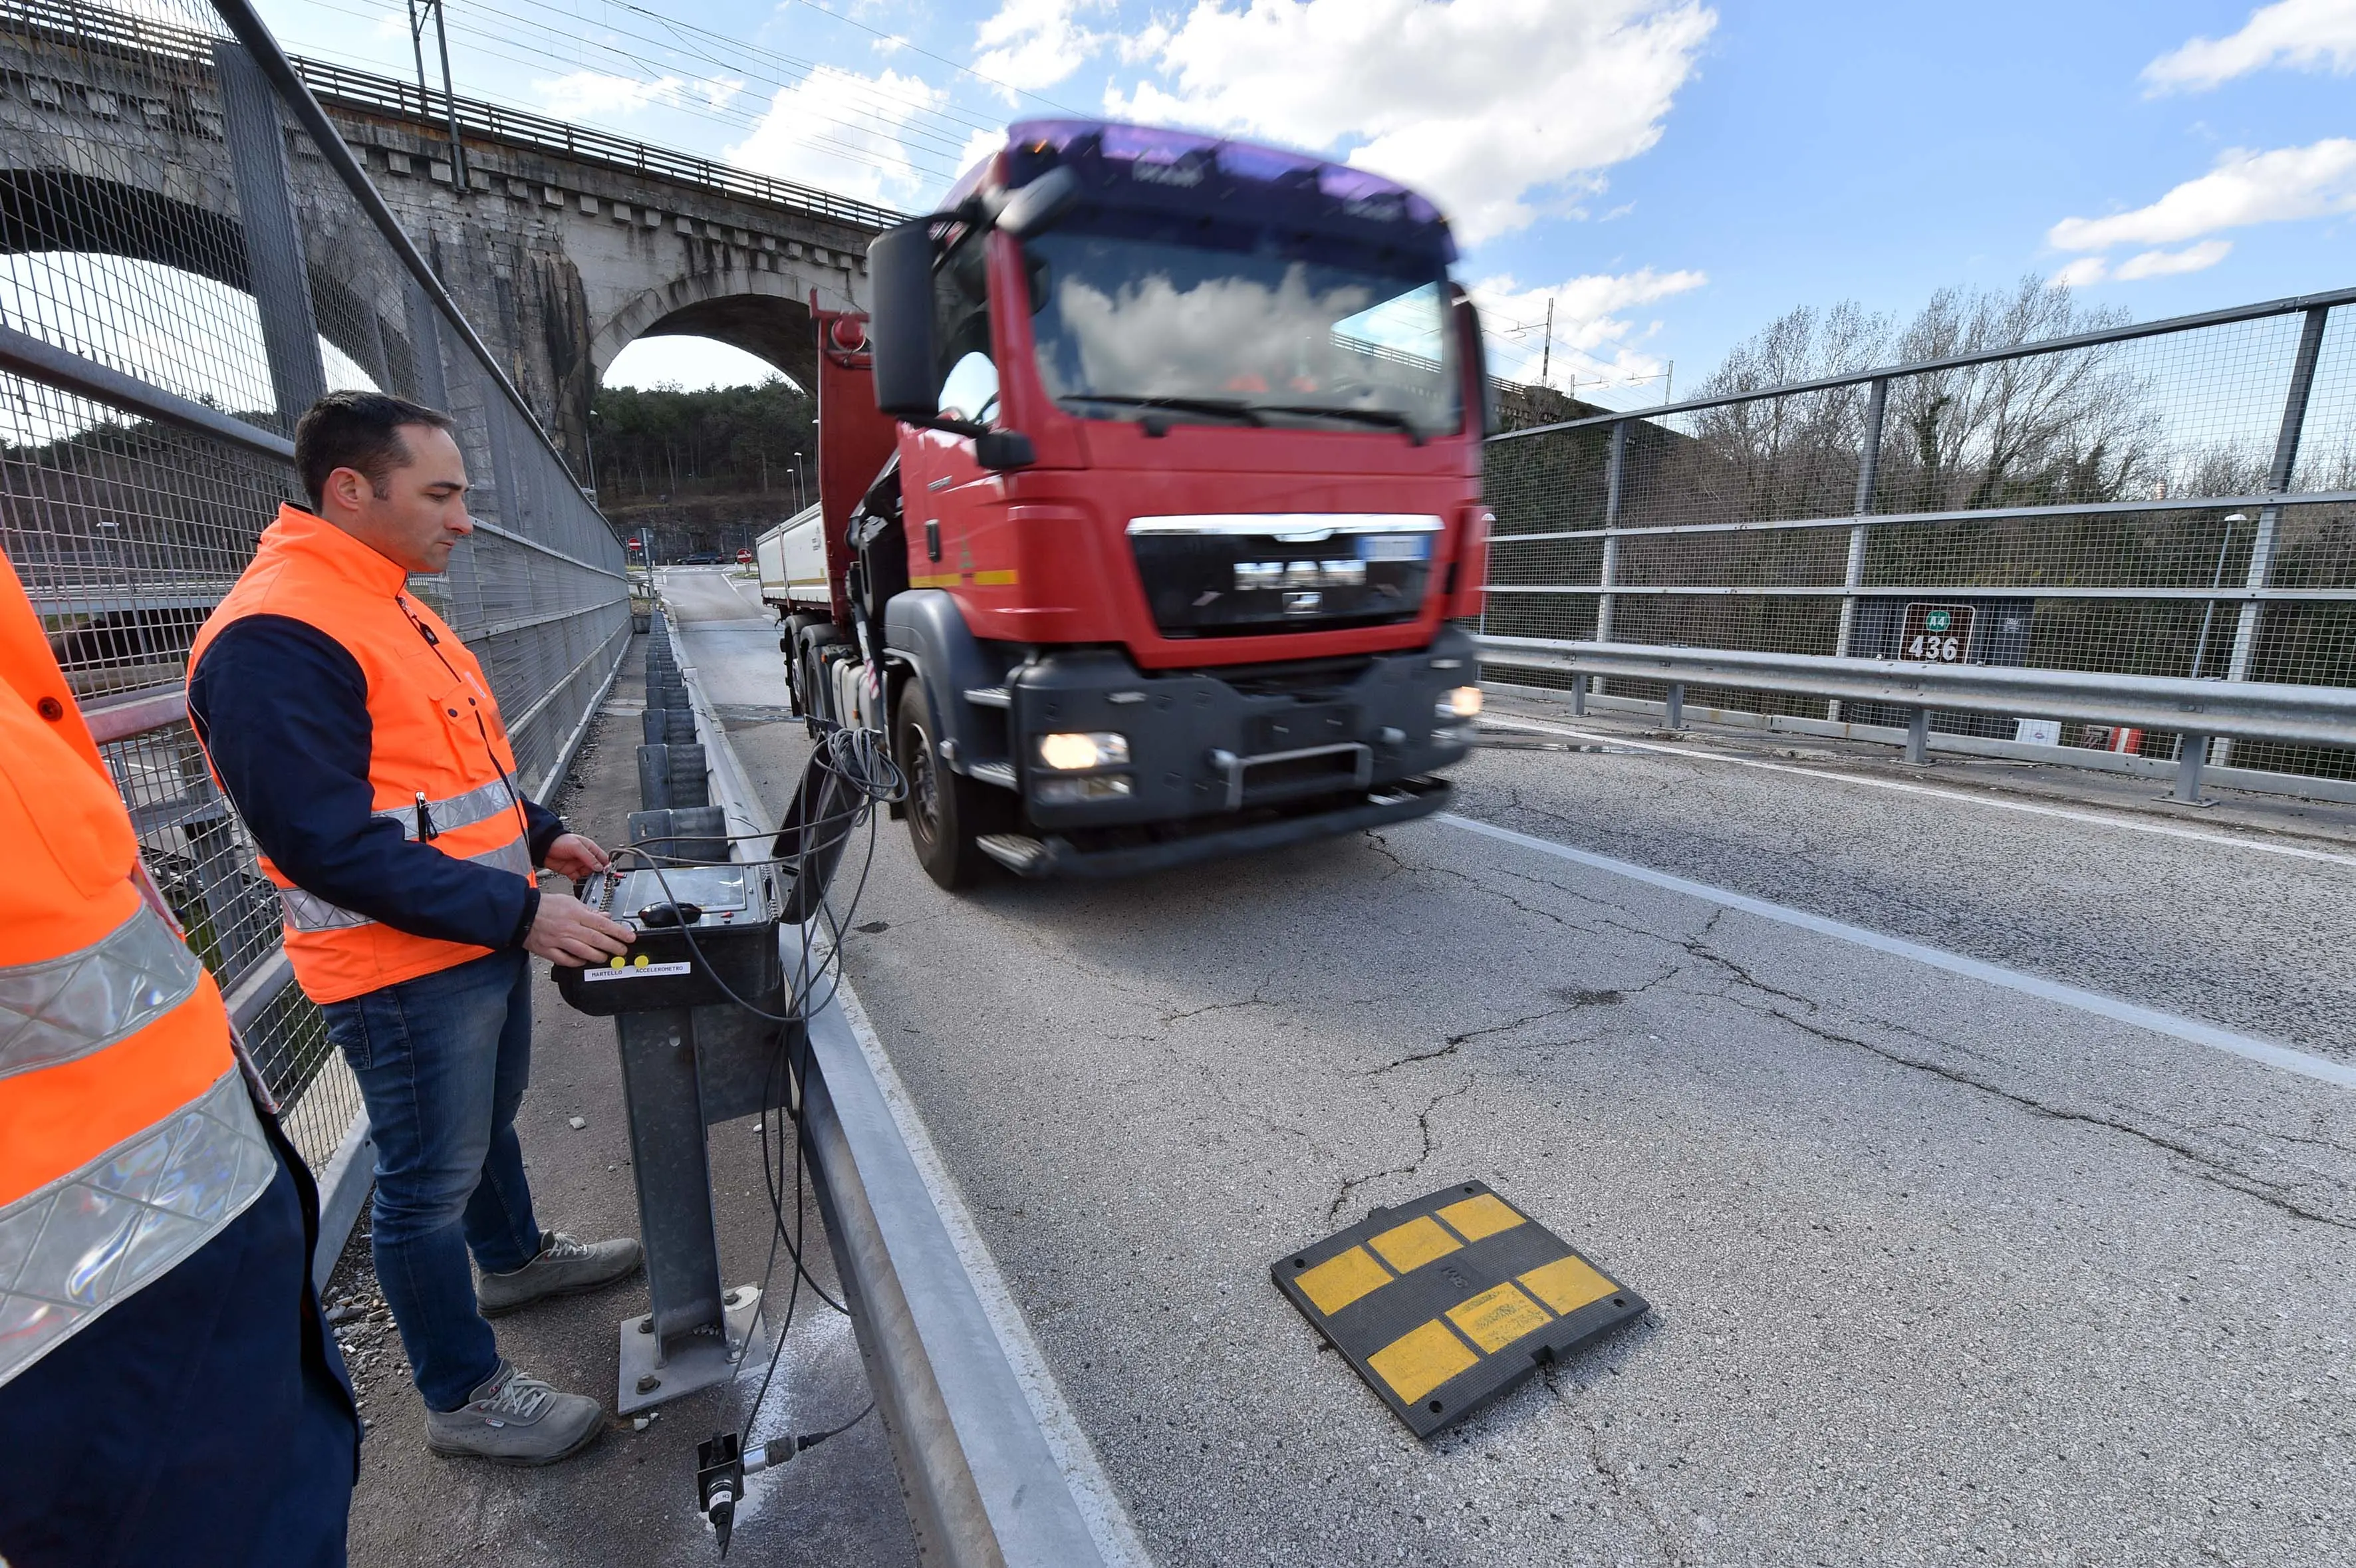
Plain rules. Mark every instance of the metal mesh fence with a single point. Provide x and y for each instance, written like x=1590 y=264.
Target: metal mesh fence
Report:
x=2175 y=499
x=164 y=221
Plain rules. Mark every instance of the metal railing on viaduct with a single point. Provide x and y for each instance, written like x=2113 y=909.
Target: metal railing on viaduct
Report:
x=2165 y=511
x=152 y=366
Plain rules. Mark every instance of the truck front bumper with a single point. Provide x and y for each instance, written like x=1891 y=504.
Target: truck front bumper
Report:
x=1137 y=851
x=1248 y=756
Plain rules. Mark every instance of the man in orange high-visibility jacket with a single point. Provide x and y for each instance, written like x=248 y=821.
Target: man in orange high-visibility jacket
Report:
x=359 y=739
x=168 y=1391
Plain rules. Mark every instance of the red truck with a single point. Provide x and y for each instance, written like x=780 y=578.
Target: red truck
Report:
x=1149 y=489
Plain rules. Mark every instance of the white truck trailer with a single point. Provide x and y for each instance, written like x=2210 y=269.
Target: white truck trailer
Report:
x=791 y=559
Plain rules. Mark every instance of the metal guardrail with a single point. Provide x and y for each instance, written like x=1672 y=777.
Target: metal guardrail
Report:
x=2314 y=715
x=2295 y=304
x=2199 y=710
x=985 y=1487
x=2168 y=499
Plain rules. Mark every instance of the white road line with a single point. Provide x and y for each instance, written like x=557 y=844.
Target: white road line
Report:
x=2164 y=830
x=2289 y=1059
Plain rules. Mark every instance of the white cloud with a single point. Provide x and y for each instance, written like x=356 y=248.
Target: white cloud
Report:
x=2088 y=270
x=595 y=94
x=1593 y=339
x=978 y=146
x=2167 y=263
x=1032 y=44
x=1487 y=106
x=2305 y=35
x=2246 y=188
x=2085 y=269
x=843 y=132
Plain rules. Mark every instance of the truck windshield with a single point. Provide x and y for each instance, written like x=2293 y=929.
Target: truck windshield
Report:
x=1260 y=329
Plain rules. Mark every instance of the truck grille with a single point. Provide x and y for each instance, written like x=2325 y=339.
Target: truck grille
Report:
x=1298 y=574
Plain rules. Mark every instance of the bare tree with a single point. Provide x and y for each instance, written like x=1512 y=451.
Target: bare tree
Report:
x=2072 y=425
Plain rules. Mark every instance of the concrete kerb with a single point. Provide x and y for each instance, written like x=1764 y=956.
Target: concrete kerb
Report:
x=995 y=1467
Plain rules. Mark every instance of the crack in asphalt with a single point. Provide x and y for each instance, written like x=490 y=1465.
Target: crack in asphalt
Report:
x=2275 y=1136
x=2203 y=1165
x=1254 y=1000
x=1700 y=947
x=1575 y=1001
x=1423 y=1123
x=1623 y=1486
x=1381 y=846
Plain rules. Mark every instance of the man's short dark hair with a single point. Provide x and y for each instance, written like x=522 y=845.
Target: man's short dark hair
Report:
x=357 y=430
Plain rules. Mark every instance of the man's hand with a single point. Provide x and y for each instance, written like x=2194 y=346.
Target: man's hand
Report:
x=569 y=932
x=575 y=856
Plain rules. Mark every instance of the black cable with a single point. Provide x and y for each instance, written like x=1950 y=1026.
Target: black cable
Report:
x=810 y=1440
x=868 y=775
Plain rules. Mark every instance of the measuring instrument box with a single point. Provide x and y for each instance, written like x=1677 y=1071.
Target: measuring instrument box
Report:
x=702 y=931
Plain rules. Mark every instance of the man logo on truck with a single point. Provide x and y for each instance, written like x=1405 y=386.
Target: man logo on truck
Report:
x=1199 y=423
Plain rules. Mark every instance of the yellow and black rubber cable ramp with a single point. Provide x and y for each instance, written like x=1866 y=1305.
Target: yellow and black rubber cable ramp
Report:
x=1447 y=1302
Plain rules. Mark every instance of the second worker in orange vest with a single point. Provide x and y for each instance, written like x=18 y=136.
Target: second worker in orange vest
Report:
x=360 y=741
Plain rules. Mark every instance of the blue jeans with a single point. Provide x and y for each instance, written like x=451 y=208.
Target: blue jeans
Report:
x=442 y=1062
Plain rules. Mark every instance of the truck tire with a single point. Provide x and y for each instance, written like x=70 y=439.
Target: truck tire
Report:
x=790 y=643
x=807 y=674
x=947 y=810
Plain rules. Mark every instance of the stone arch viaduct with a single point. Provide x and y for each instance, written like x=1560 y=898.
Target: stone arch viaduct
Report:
x=563 y=243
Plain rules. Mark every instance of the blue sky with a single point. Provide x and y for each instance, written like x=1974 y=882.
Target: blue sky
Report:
x=1671 y=174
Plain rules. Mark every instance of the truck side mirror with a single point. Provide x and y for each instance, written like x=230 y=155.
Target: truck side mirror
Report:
x=1040 y=203
x=1004 y=449
x=900 y=326
x=1483 y=402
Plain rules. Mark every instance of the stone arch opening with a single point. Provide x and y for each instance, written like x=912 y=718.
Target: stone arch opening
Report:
x=765 y=314
x=49 y=212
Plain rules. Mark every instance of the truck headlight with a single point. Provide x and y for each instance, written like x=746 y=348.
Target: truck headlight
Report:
x=1076 y=751
x=1463 y=702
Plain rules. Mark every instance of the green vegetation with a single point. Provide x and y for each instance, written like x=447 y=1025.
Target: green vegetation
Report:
x=666 y=445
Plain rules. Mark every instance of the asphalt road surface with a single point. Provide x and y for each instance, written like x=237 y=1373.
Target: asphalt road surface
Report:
x=1942 y=1271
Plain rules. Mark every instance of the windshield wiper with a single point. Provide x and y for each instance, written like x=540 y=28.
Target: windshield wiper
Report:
x=1246 y=411
x=1391 y=417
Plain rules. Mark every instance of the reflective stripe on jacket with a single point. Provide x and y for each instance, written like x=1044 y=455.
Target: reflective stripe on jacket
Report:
x=127 y=1139
x=440 y=767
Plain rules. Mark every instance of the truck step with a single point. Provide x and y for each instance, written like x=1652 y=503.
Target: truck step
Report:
x=999 y=773
x=988 y=697
x=1015 y=851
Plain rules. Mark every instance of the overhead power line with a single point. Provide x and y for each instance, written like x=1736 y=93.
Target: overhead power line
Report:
x=929 y=149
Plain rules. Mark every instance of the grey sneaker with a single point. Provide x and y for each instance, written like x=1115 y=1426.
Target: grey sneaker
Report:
x=564 y=1265
x=515 y=1419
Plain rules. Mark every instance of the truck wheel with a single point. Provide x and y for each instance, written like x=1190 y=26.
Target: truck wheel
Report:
x=945 y=809
x=809 y=670
x=790 y=643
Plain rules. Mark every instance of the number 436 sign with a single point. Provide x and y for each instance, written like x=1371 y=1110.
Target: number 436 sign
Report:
x=1936 y=634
